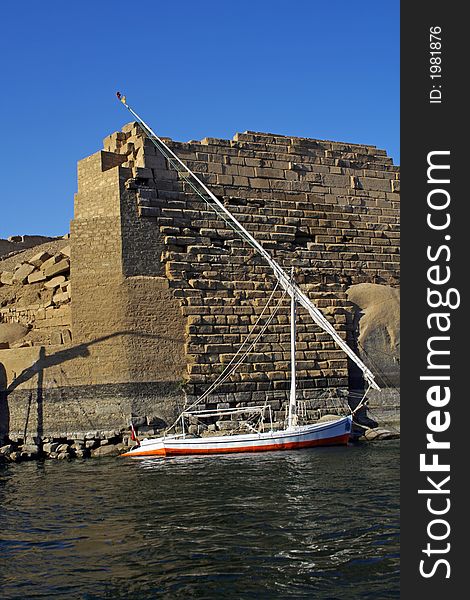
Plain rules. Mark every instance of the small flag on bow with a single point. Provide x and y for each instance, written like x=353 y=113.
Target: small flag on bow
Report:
x=134 y=437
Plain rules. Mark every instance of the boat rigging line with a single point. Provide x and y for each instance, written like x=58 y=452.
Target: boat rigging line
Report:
x=227 y=372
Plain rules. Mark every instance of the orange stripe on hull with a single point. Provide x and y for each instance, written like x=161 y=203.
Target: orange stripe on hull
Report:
x=339 y=440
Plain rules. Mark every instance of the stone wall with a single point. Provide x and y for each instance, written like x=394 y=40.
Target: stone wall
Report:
x=164 y=292
x=329 y=209
x=126 y=312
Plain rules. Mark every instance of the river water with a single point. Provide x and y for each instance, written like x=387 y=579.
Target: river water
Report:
x=319 y=523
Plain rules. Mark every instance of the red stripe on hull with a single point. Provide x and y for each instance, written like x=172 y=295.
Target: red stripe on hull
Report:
x=340 y=440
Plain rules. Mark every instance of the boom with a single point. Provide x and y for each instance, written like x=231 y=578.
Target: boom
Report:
x=284 y=279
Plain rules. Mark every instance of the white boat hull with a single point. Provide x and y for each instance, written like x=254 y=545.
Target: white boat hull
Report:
x=329 y=433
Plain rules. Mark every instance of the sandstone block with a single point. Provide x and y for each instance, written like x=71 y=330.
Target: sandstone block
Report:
x=259 y=183
x=53 y=260
x=61 y=267
x=376 y=184
x=21 y=274
x=143 y=173
x=157 y=162
x=269 y=173
x=60 y=297
x=6 y=450
x=30 y=449
x=355 y=182
x=66 y=336
x=39 y=259
x=55 y=282
x=56 y=338
x=66 y=251
x=50 y=447
x=339 y=181
x=379 y=433
x=46 y=301
x=240 y=181
x=36 y=276
x=108 y=450
x=128 y=128
x=6 y=277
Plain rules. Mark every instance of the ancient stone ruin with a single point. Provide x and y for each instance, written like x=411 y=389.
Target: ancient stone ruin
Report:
x=152 y=295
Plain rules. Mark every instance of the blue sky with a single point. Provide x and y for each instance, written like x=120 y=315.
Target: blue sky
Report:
x=327 y=70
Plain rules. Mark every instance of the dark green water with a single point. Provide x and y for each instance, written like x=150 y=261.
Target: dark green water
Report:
x=318 y=523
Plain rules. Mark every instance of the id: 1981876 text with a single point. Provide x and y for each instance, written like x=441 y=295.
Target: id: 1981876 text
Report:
x=435 y=64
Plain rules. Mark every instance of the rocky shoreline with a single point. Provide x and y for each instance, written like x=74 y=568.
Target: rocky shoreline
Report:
x=98 y=444
x=92 y=444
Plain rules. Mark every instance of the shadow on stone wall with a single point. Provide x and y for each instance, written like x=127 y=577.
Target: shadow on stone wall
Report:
x=4 y=409
x=35 y=399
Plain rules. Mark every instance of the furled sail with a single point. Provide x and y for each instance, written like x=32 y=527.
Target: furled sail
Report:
x=284 y=279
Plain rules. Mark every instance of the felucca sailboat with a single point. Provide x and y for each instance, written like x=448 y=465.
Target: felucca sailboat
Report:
x=261 y=435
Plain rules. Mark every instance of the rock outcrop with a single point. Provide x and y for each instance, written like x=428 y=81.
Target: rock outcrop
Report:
x=378 y=321
x=377 y=325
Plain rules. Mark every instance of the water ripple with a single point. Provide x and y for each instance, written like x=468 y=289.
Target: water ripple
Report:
x=305 y=524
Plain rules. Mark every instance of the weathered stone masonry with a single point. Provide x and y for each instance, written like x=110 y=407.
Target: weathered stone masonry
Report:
x=164 y=292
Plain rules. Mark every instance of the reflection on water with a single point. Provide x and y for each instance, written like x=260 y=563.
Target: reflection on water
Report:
x=319 y=523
